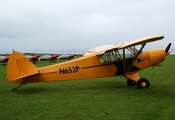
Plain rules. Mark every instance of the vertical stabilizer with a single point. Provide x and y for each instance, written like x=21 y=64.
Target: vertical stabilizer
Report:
x=19 y=67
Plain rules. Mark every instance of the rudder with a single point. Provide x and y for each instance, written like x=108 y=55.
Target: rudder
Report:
x=19 y=67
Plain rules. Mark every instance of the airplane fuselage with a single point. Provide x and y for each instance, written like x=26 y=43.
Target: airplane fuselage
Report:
x=91 y=67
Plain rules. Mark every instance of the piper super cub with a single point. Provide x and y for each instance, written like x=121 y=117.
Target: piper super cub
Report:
x=124 y=59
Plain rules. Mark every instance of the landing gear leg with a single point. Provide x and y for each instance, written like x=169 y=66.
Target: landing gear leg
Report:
x=131 y=82
x=16 y=88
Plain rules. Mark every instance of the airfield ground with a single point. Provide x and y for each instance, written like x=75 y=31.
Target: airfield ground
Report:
x=101 y=98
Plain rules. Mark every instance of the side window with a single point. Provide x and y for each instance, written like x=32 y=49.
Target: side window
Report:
x=110 y=56
x=118 y=54
x=129 y=53
x=125 y=52
x=134 y=49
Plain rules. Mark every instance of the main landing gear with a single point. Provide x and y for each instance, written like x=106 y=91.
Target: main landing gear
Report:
x=16 y=88
x=141 y=83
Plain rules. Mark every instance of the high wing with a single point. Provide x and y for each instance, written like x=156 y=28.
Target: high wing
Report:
x=102 y=49
x=141 y=41
x=98 y=49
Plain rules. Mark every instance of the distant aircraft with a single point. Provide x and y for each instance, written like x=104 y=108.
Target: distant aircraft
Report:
x=33 y=58
x=124 y=59
x=52 y=58
x=66 y=56
x=4 y=59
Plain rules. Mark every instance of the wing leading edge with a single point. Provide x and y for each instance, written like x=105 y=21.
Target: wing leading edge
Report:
x=102 y=49
x=141 y=41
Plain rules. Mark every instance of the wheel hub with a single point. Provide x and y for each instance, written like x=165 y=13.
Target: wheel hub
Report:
x=143 y=84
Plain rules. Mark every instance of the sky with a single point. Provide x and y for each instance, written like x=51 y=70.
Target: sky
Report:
x=75 y=26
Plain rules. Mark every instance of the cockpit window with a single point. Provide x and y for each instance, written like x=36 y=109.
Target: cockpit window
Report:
x=119 y=54
x=110 y=56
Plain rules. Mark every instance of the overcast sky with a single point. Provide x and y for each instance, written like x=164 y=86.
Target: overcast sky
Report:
x=74 y=26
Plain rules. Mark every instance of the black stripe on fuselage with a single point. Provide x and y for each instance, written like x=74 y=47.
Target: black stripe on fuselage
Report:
x=96 y=65
x=119 y=65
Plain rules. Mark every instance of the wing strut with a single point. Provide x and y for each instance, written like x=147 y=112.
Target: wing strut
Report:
x=124 y=63
x=135 y=57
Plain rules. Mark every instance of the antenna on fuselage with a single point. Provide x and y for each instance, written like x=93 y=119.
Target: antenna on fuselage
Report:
x=118 y=37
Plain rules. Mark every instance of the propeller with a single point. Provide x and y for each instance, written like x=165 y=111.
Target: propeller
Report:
x=167 y=48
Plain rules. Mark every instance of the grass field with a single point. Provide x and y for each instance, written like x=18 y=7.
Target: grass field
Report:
x=92 y=99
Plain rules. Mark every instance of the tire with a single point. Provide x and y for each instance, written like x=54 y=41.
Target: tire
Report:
x=131 y=82
x=143 y=83
x=14 y=89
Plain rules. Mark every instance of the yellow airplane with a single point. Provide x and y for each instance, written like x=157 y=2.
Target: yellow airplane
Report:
x=125 y=59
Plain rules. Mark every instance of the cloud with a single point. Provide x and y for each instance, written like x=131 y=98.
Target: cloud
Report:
x=76 y=26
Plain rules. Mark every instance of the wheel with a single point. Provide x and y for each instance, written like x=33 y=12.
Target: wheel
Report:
x=131 y=82
x=143 y=83
x=14 y=89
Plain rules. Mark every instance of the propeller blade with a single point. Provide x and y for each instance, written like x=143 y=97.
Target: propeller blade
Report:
x=167 y=48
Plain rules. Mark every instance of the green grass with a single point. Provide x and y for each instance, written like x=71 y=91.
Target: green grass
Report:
x=92 y=99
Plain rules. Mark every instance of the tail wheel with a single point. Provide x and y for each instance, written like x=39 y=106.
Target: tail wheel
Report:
x=143 y=83
x=131 y=82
